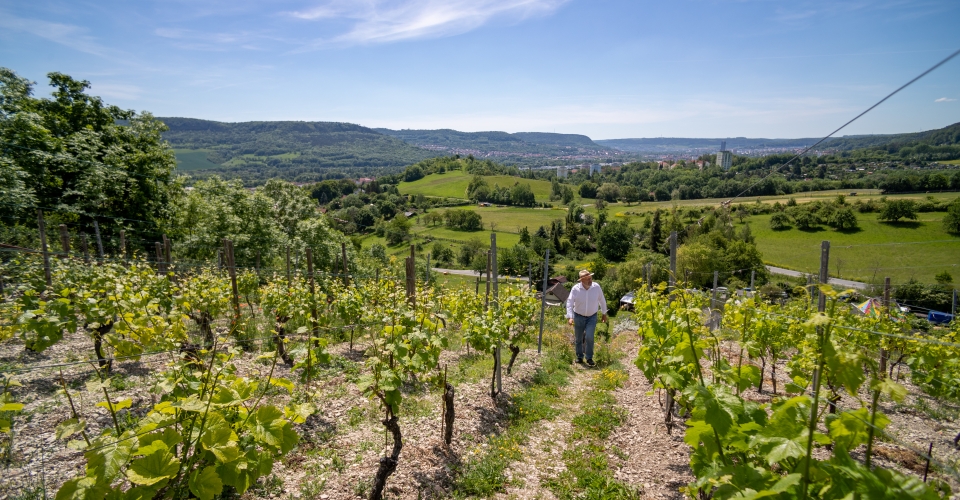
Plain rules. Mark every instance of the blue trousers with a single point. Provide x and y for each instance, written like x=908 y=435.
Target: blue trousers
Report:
x=583 y=329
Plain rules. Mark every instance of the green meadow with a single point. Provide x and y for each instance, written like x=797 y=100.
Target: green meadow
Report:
x=910 y=249
x=918 y=249
x=454 y=185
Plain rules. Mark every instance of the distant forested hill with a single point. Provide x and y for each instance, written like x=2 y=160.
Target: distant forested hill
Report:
x=501 y=143
x=946 y=136
x=296 y=151
x=665 y=144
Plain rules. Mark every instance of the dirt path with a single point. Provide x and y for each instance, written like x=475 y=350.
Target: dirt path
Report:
x=543 y=453
x=657 y=461
x=653 y=461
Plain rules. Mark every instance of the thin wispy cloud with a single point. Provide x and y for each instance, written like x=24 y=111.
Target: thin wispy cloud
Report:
x=383 y=21
x=944 y=99
x=75 y=37
x=120 y=91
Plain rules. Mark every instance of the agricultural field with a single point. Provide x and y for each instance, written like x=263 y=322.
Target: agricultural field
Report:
x=274 y=391
x=193 y=159
x=454 y=185
x=909 y=249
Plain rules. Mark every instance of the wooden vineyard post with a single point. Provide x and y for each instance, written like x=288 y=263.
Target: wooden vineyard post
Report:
x=646 y=275
x=886 y=311
x=43 y=247
x=953 y=306
x=343 y=252
x=232 y=270
x=496 y=306
x=486 y=300
x=411 y=272
x=288 y=268
x=84 y=248
x=166 y=252
x=313 y=315
x=753 y=274
x=673 y=261
x=427 y=276
x=96 y=232
x=814 y=408
x=543 y=299
x=448 y=413
x=713 y=297
x=160 y=267
x=478 y=284
x=313 y=294
x=123 y=244
x=64 y=241
x=530 y=275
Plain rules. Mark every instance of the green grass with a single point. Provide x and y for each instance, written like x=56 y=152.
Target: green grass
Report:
x=879 y=249
x=193 y=159
x=454 y=185
x=950 y=162
x=588 y=473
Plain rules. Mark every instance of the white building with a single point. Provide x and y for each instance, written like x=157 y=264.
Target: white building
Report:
x=563 y=172
x=594 y=169
x=724 y=157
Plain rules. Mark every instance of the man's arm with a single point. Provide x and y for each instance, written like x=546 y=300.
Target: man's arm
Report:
x=603 y=304
x=570 y=304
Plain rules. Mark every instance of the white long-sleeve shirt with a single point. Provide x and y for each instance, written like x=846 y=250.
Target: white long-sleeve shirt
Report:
x=586 y=301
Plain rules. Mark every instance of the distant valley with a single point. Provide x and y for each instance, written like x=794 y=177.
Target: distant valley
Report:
x=314 y=151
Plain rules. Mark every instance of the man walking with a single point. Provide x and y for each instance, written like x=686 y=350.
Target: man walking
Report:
x=583 y=304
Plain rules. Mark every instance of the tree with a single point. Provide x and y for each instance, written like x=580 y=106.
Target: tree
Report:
x=843 y=219
x=397 y=230
x=291 y=205
x=779 y=221
x=803 y=218
x=522 y=195
x=75 y=152
x=894 y=210
x=478 y=189
x=588 y=190
x=462 y=219
x=609 y=192
x=656 y=236
x=951 y=221
x=614 y=240
x=525 y=236
x=413 y=173
x=630 y=194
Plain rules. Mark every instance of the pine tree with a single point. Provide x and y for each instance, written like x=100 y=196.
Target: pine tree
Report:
x=656 y=238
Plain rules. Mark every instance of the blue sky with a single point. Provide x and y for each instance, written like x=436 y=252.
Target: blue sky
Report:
x=608 y=69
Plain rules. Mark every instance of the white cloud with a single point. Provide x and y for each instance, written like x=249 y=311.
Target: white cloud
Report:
x=382 y=21
x=944 y=99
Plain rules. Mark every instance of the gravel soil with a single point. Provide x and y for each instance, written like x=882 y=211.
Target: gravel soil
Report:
x=342 y=443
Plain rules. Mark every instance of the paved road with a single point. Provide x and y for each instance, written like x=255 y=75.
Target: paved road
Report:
x=464 y=272
x=833 y=281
